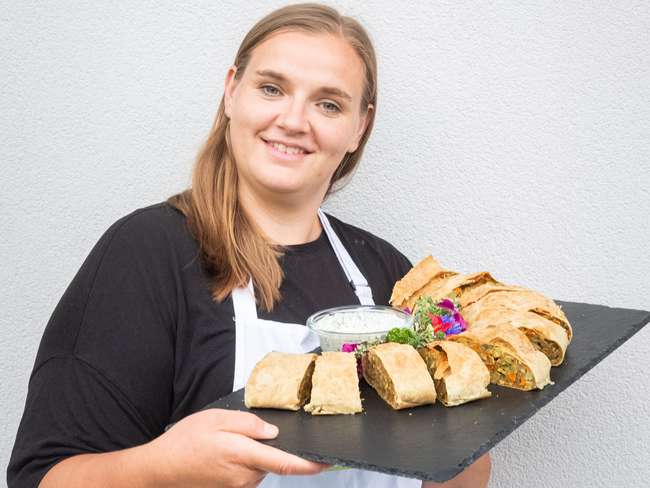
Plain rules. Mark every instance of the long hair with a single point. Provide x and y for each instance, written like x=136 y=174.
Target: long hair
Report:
x=233 y=248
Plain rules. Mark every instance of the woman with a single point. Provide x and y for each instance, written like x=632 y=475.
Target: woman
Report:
x=162 y=317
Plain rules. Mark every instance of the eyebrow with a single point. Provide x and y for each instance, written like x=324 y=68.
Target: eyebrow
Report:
x=328 y=90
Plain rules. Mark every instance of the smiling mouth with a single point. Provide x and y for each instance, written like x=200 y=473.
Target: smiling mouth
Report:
x=285 y=153
x=286 y=149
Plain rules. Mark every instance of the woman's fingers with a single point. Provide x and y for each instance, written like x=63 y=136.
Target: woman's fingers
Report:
x=232 y=436
x=274 y=460
x=261 y=456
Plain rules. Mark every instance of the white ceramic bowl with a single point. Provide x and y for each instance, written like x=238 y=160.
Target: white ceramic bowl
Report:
x=355 y=323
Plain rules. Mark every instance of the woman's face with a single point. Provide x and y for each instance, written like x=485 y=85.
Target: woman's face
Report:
x=294 y=114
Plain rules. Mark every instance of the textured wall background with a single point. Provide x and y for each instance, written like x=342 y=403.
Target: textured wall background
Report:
x=510 y=137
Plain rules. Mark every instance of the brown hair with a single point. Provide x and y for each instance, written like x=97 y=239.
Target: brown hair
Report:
x=233 y=248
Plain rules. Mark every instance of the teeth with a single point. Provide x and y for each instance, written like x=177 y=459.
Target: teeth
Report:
x=287 y=149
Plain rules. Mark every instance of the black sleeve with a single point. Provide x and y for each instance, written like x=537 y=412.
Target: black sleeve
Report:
x=103 y=375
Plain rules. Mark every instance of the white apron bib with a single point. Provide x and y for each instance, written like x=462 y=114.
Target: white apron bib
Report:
x=256 y=337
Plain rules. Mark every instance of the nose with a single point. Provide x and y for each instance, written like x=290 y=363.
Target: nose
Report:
x=293 y=116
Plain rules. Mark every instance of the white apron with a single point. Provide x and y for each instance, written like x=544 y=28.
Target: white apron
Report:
x=256 y=337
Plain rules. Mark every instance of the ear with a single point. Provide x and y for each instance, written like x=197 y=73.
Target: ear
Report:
x=229 y=89
x=361 y=128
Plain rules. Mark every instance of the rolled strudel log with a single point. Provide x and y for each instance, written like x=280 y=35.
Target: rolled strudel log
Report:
x=335 y=385
x=547 y=337
x=457 y=284
x=280 y=380
x=510 y=357
x=440 y=286
x=458 y=372
x=492 y=295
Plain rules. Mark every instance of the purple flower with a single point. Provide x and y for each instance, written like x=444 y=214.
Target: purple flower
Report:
x=459 y=318
x=408 y=310
x=448 y=304
x=456 y=329
x=347 y=347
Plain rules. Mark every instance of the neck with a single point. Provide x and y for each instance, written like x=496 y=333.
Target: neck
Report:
x=283 y=223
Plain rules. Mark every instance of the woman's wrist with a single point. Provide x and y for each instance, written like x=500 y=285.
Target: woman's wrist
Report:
x=136 y=467
x=148 y=467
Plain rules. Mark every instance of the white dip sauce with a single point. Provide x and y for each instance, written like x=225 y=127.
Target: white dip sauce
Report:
x=361 y=321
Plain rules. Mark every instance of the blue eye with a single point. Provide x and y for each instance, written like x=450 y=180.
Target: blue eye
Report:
x=330 y=107
x=270 y=90
x=274 y=91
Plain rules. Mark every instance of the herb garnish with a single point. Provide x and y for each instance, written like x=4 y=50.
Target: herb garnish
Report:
x=432 y=320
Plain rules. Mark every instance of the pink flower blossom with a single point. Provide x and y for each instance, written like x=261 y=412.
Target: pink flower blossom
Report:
x=448 y=304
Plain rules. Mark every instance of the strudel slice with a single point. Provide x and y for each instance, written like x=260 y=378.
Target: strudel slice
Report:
x=511 y=358
x=335 y=385
x=547 y=337
x=399 y=375
x=458 y=372
x=280 y=380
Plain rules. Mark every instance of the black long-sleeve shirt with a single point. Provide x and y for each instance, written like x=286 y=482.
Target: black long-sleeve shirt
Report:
x=137 y=341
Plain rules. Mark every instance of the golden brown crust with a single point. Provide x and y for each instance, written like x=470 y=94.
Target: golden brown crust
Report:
x=280 y=380
x=335 y=385
x=476 y=293
x=399 y=375
x=451 y=283
x=417 y=277
x=548 y=337
x=431 y=289
x=513 y=360
x=515 y=298
x=458 y=372
x=558 y=318
x=428 y=278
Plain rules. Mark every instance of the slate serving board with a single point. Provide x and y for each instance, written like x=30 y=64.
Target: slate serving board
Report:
x=435 y=442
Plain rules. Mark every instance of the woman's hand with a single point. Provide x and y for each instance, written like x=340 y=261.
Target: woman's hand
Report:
x=217 y=448
x=476 y=475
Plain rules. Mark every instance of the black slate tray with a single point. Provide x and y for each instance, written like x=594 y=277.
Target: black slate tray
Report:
x=434 y=442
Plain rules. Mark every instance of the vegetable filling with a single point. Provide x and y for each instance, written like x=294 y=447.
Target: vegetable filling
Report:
x=509 y=371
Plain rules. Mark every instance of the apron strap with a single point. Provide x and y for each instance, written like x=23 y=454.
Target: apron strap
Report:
x=243 y=302
x=354 y=276
x=244 y=298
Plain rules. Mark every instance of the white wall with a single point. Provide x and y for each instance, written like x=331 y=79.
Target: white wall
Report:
x=511 y=137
